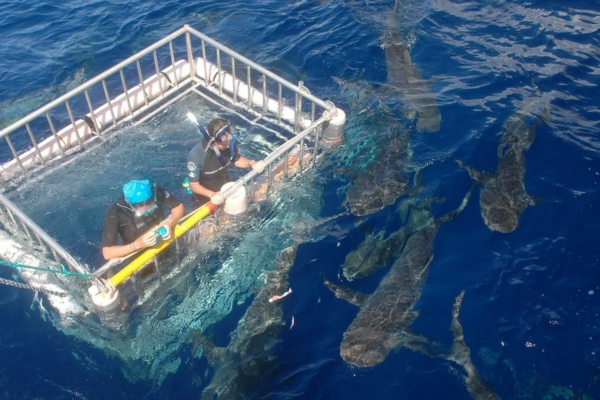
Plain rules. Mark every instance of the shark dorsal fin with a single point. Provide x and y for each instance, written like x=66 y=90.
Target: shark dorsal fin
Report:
x=406 y=56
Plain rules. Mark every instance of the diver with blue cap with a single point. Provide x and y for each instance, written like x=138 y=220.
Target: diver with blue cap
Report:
x=138 y=218
x=209 y=160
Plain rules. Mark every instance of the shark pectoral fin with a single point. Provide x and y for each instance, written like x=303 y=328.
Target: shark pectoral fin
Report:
x=481 y=177
x=417 y=342
x=345 y=293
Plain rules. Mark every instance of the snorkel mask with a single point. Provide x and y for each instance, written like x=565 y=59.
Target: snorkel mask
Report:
x=140 y=196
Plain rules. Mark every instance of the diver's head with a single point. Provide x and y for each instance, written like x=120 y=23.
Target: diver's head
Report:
x=140 y=196
x=221 y=131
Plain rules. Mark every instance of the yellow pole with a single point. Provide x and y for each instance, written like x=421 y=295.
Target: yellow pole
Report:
x=149 y=254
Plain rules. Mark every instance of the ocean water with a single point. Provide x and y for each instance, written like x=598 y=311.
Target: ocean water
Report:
x=531 y=310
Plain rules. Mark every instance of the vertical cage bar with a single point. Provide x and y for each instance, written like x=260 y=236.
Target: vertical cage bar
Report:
x=206 y=82
x=70 y=112
x=55 y=255
x=26 y=230
x=172 y=52
x=279 y=103
x=35 y=144
x=219 y=72
x=12 y=217
x=190 y=54
x=301 y=161
x=249 y=89
x=40 y=241
x=287 y=161
x=109 y=102
x=139 y=69
x=14 y=152
x=234 y=80
x=296 y=112
x=317 y=130
x=125 y=90
x=252 y=189
x=89 y=103
x=53 y=129
x=160 y=86
x=264 y=92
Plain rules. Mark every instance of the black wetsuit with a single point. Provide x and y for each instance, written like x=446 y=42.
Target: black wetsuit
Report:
x=120 y=219
x=205 y=168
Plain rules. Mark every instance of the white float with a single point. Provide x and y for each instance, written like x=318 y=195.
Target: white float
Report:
x=237 y=202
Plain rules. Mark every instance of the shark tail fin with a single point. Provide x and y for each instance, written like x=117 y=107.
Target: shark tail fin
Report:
x=463 y=204
x=461 y=354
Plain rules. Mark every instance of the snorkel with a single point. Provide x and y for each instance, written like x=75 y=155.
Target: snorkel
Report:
x=204 y=133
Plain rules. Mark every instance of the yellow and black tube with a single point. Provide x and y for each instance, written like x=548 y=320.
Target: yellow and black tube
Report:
x=150 y=253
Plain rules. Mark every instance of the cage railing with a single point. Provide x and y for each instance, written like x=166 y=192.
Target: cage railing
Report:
x=144 y=84
x=21 y=222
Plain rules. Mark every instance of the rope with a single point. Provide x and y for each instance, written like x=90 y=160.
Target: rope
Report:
x=64 y=270
x=24 y=286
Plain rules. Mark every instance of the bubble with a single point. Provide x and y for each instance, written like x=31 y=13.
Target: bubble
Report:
x=591 y=292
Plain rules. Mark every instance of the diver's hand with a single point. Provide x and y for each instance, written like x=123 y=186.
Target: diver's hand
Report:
x=146 y=240
x=258 y=166
x=217 y=199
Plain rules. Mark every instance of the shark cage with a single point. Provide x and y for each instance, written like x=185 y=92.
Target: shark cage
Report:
x=184 y=63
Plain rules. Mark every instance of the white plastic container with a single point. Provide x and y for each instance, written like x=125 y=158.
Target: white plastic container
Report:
x=237 y=202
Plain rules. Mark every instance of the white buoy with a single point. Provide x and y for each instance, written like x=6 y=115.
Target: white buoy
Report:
x=237 y=202
x=333 y=130
x=104 y=300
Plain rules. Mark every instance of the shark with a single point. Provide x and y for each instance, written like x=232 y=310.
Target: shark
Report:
x=249 y=352
x=376 y=252
x=405 y=77
x=385 y=179
x=388 y=311
x=503 y=197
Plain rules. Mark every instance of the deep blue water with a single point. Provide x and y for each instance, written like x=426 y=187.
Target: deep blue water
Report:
x=530 y=313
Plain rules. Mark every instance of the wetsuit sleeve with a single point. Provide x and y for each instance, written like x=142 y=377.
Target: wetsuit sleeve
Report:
x=166 y=198
x=236 y=154
x=195 y=162
x=110 y=233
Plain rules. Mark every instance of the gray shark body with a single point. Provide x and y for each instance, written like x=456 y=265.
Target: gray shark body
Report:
x=241 y=363
x=388 y=311
x=383 y=180
x=503 y=197
x=376 y=252
x=404 y=76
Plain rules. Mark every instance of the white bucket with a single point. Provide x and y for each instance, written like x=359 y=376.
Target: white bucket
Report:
x=237 y=203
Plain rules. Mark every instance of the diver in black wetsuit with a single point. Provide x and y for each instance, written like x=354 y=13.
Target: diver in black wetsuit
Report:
x=136 y=217
x=209 y=160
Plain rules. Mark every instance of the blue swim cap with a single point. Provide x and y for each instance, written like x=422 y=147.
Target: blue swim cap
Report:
x=137 y=191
